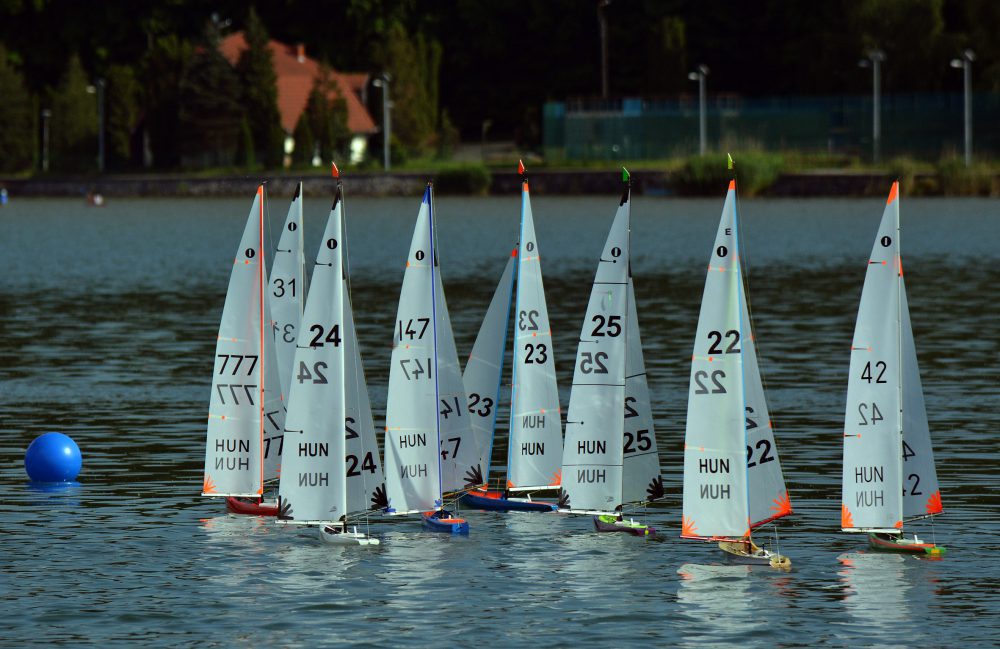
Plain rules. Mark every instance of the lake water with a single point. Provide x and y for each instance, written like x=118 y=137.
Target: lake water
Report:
x=108 y=320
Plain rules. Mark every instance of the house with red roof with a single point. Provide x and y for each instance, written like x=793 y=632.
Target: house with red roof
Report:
x=297 y=74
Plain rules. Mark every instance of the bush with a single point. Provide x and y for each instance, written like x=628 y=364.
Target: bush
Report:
x=467 y=179
x=710 y=174
x=958 y=180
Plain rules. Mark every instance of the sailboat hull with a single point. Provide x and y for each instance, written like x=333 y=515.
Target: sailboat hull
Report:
x=899 y=544
x=495 y=502
x=608 y=523
x=249 y=508
x=749 y=554
x=333 y=536
x=450 y=525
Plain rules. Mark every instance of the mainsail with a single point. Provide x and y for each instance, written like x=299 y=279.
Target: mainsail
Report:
x=888 y=469
x=535 y=444
x=593 y=451
x=483 y=374
x=246 y=412
x=287 y=286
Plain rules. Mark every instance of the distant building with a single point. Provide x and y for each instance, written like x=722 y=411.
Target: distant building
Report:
x=296 y=74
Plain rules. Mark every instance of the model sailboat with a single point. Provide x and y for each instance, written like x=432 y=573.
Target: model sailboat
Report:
x=889 y=476
x=326 y=478
x=246 y=411
x=426 y=408
x=599 y=436
x=286 y=296
x=732 y=477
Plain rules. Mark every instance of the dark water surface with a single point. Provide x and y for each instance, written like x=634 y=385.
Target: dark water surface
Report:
x=108 y=320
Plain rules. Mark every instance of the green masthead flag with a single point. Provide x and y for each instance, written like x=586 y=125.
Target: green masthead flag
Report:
x=625 y=176
x=730 y=159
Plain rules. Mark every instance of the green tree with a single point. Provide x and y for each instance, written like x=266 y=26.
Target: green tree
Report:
x=16 y=119
x=121 y=114
x=326 y=113
x=210 y=109
x=414 y=68
x=162 y=68
x=260 y=93
x=305 y=141
x=73 y=127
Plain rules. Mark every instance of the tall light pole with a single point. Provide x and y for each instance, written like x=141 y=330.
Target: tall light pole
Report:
x=874 y=61
x=965 y=63
x=46 y=114
x=699 y=75
x=602 y=21
x=383 y=83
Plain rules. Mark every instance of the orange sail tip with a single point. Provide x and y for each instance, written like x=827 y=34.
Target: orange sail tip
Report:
x=732 y=185
x=513 y=253
x=893 y=192
x=207 y=486
x=556 y=479
x=687 y=527
x=898 y=525
x=934 y=505
x=510 y=484
x=334 y=171
x=520 y=167
x=782 y=505
x=846 y=519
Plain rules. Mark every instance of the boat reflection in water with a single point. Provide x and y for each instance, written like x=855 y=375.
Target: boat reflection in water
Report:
x=718 y=604
x=876 y=591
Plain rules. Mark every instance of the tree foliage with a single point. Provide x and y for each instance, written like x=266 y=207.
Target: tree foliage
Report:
x=326 y=118
x=210 y=108
x=260 y=93
x=413 y=66
x=16 y=118
x=121 y=114
x=73 y=126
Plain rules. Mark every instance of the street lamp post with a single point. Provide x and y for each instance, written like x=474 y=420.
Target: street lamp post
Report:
x=699 y=75
x=383 y=83
x=965 y=63
x=874 y=61
x=46 y=114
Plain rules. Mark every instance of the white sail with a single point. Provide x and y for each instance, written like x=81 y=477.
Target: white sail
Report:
x=365 y=482
x=641 y=480
x=412 y=445
x=288 y=290
x=767 y=494
x=595 y=425
x=483 y=374
x=921 y=493
x=872 y=494
x=313 y=486
x=535 y=445
x=455 y=434
x=715 y=473
x=888 y=472
x=246 y=414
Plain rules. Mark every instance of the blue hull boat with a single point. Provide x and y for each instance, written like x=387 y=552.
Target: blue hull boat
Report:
x=495 y=502
x=446 y=523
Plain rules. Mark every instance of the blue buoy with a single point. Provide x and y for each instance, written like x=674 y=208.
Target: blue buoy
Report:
x=53 y=457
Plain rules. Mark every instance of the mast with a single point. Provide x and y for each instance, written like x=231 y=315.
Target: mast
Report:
x=517 y=310
x=740 y=297
x=434 y=334
x=899 y=347
x=261 y=282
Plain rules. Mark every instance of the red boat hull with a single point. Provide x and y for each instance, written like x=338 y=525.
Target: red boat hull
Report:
x=250 y=508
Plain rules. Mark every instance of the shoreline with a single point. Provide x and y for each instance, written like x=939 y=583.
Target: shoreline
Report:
x=817 y=184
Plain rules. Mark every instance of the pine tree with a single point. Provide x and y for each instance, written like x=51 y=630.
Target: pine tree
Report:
x=210 y=109
x=122 y=112
x=73 y=127
x=16 y=119
x=260 y=93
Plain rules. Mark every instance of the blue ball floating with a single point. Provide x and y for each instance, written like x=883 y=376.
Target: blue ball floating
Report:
x=53 y=457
